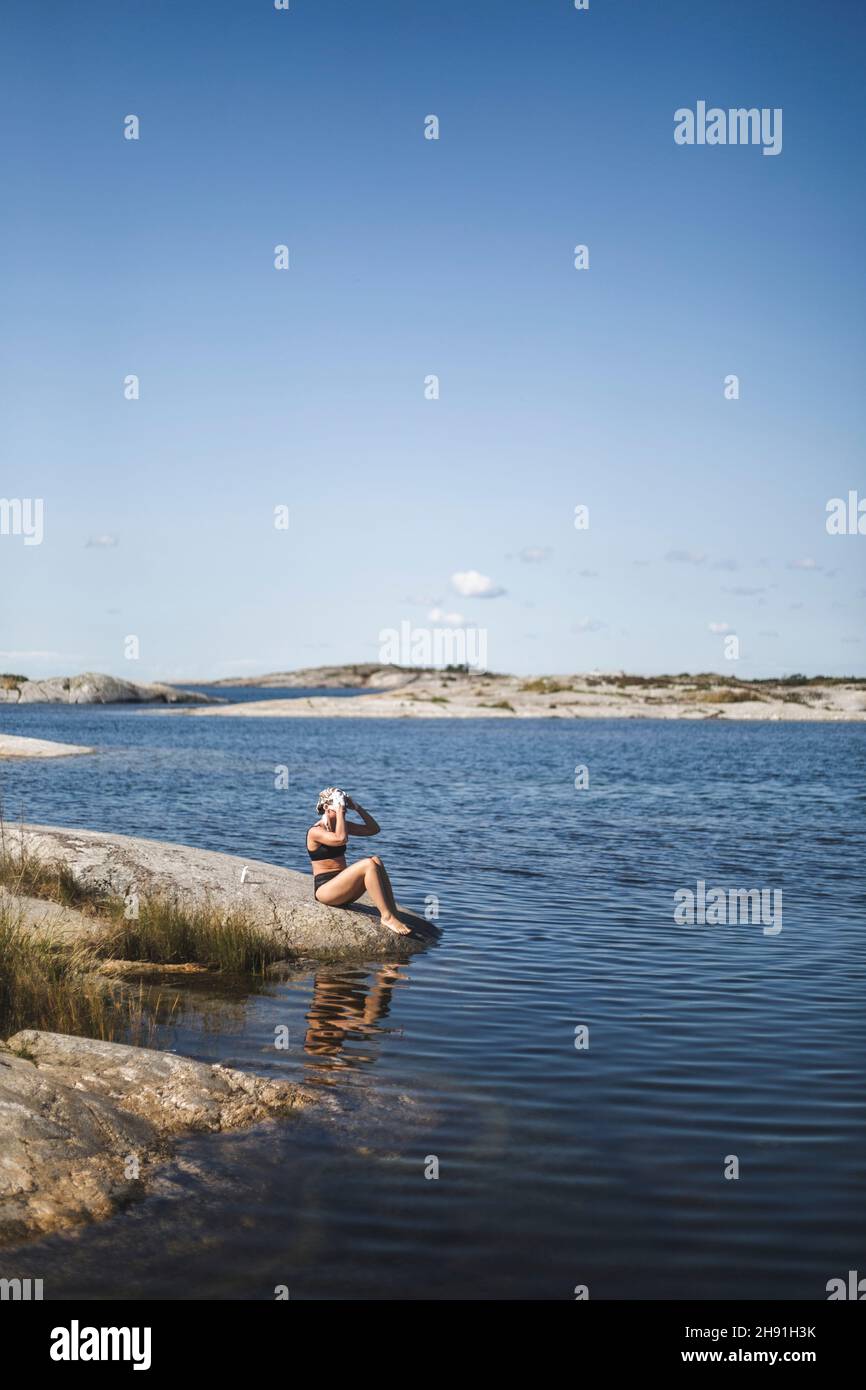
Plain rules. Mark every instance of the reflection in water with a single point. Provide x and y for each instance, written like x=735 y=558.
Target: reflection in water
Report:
x=345 y=1007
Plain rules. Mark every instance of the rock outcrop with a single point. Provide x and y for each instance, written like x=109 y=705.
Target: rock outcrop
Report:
x=50 y=921
x=83 y=1123
x=272 y=898
x=93 y=688
x=13 y=746
x=354 y=676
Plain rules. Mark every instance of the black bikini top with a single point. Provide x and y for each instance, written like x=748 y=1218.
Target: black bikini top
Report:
x=327 y=851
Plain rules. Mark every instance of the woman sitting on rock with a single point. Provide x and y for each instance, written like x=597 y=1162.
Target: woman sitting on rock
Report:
x=333 y=882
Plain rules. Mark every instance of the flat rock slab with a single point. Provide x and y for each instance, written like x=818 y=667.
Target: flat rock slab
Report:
x=13 y=746
x=49 y=920
x=274 y=899
x=82 y=1123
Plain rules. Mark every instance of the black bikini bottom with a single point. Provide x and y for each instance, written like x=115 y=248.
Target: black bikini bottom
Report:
x=319 y=879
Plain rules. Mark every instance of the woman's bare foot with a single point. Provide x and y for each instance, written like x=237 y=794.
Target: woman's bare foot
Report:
x=394 y=924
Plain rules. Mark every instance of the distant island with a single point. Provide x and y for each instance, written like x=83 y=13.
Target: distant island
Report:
x=397 y=692
x=402 y=692
x=356 y=676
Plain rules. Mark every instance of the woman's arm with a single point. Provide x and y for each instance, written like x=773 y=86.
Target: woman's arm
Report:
x=331 y=837
x=370 y=826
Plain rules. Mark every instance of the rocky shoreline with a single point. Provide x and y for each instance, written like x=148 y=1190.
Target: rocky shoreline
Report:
x=395 y=692
x=84 y=1122
x=462 y=694
x=93 y=688
x=276 y=901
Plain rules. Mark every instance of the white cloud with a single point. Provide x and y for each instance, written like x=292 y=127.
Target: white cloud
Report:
x=471 y=584
x=807 y=564
x=719 y=628
x=101 y=542
x=588 y=625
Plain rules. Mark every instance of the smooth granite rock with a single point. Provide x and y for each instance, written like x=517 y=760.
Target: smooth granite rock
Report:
x=83 y=1123
x=16 y=746
x=275 y=899
x=93 y=688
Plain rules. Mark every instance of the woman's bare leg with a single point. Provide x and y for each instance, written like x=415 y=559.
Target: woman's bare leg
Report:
x=359 y=878
x=344 y=888
x=386 y=883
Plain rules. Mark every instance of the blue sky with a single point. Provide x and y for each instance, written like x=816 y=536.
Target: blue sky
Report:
x=412 y=257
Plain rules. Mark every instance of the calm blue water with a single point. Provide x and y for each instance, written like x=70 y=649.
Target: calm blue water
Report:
x=557 y=1167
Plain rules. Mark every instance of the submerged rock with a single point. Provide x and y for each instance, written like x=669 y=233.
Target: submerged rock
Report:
x=93 y=688
x=83 y=1122
x=274 y=899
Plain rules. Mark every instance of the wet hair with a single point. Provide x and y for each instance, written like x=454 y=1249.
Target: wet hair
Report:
x=325 y=798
